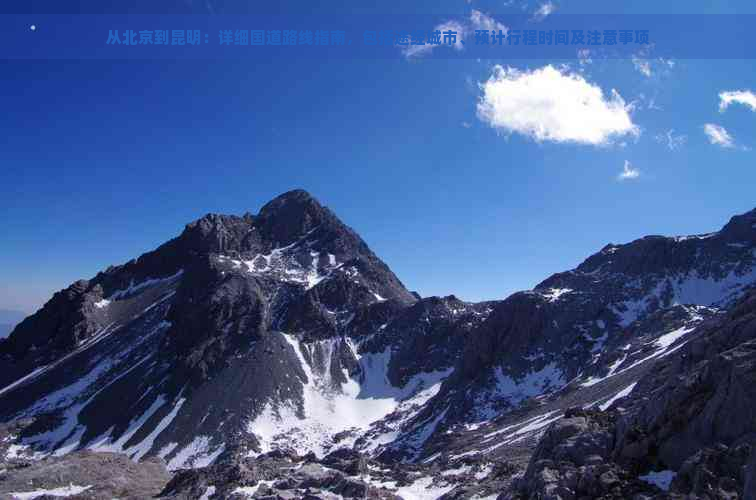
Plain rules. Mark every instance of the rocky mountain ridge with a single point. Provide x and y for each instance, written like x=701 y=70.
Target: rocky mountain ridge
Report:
x=279 y=341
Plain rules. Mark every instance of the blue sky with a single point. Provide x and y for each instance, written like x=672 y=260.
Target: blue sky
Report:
x=104 y=160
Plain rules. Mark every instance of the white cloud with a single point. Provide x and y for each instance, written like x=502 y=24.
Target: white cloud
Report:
x=673 y=142
x=744 y=97
x=718 y=135
x=477 y=21
x=545 y=10
x=550 y=104
x=466 y=124
x=628 y=173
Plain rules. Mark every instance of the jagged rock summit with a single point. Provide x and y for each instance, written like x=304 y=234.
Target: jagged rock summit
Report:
x=202 y=335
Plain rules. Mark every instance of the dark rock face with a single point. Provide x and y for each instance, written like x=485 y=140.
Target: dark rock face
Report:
x=437 y=327
x=213 y=316
x=66 y=320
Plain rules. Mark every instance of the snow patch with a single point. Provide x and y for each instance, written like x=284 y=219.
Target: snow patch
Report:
x=695 y=236
x=621 y=394
x=531 y=384
x=423 y=489
x=137 y=451
x=612 y=371
x=133 y=288
x=210 y=491
x=514 y=433
x=690 y=288
x=64 y=491
x=196 y=454
x=553 y=294
x=251 y=490
x=329 y=408
x=104 y=443
x=670 y=338
x=23 y=379
x=663 y=348
x=284 y=264
x=462 y=469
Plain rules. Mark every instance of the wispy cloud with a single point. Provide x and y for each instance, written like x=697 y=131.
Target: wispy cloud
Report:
x=423 y=50
x=642 y=65
x=718 y=135
x=545 y=10
x=648 y=66
x=477 y=21
x=481 y=21
x=584 y=57
x=550 y=104
x=671 y=140
x=628 y=173
x=744 y=97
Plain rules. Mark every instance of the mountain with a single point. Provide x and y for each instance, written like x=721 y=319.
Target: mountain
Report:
x=252 y=346
x=579 y=327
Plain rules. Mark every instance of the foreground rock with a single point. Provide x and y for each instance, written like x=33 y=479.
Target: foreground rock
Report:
x=88 y=475
x=573 y=461
x=342 y=474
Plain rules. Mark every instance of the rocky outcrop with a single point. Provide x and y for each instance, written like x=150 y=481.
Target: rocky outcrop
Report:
x=280 y=475
x=692 y=415
x=572 y=461
x=62 y=323
x=720 y=472
x=702 y=395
